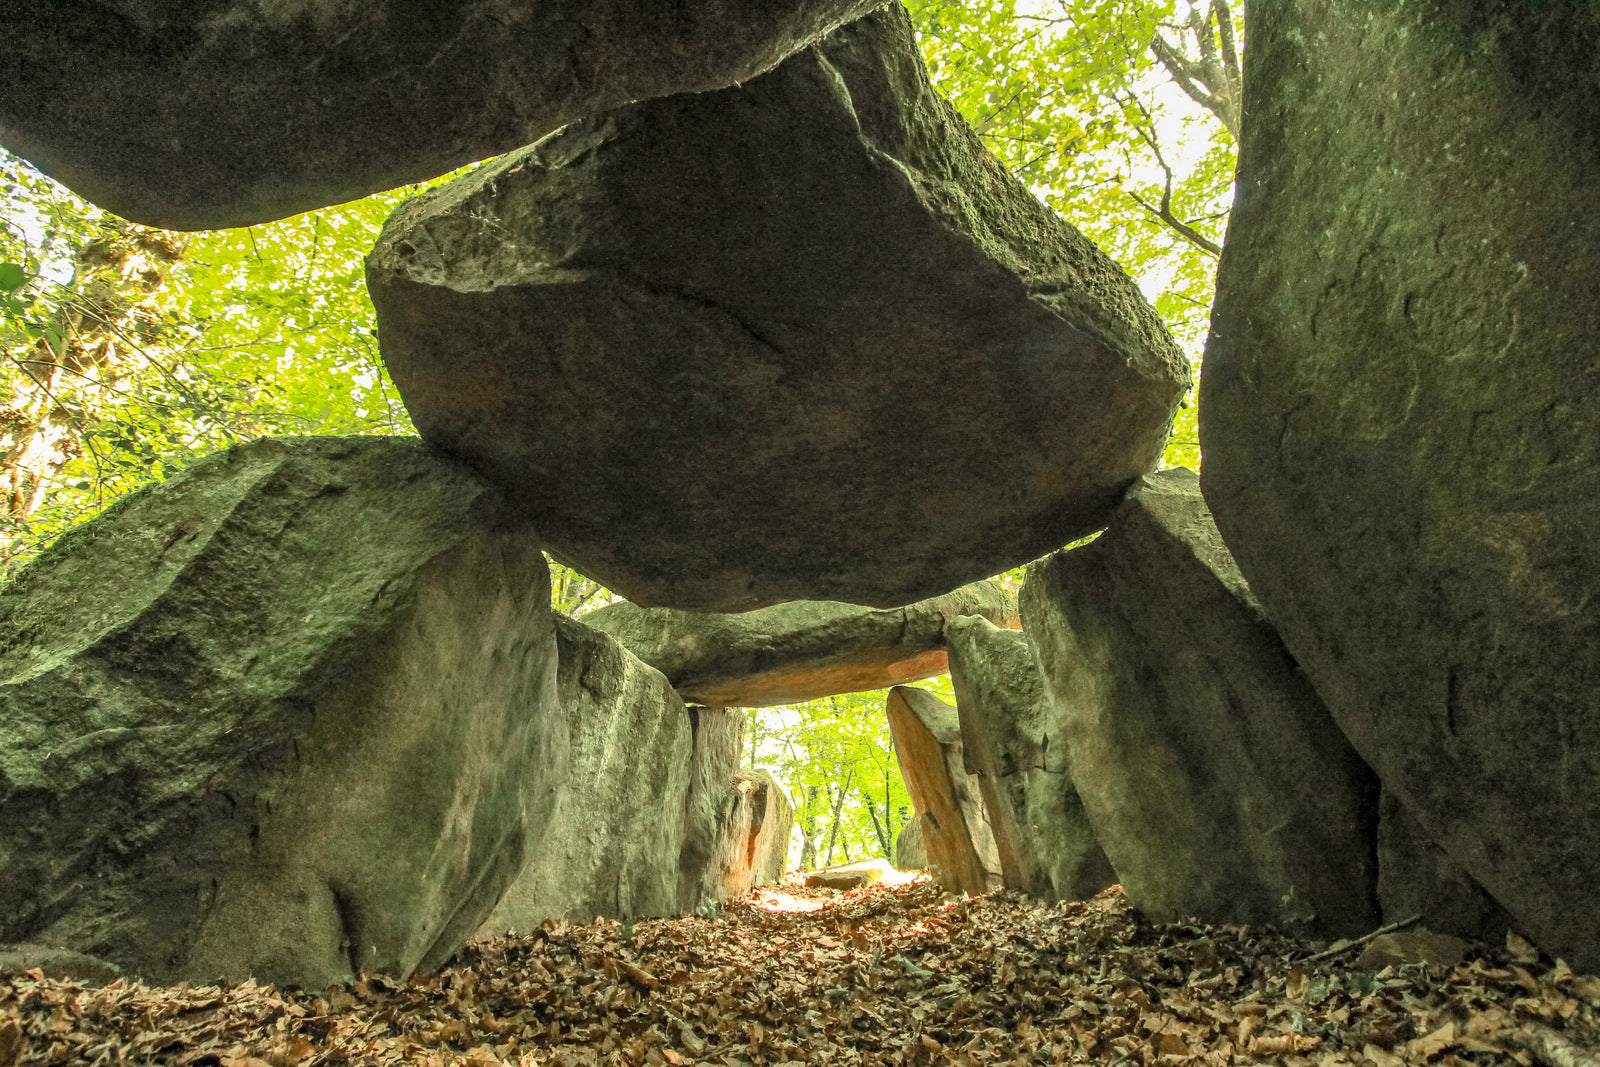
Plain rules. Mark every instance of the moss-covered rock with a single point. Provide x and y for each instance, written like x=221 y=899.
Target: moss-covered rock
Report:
x=282 y=716
x=1401 y=413
x=800 y=340
x=1214 y=778
x=212 y=113
x=1011 y=741
x=801 y=650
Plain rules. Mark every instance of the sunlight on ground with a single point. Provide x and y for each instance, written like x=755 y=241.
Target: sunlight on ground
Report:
x=772 y=900
x=777 y=898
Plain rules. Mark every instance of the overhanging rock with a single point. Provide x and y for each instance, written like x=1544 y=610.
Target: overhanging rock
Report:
x=801 y=650
x=203 y=114
x=799 y=340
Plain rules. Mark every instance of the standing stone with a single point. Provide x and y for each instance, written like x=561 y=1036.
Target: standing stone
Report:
x=910 y=848
x=213 y=113
x=604 y=838
x=955 y=829
x=713 y=805
x=798 y=651
x=1010 y=740
x=1401 y=413
x=280 y=716
x=803 y=339
x=1417 y=877
x=753 y=839
x=1215 y=780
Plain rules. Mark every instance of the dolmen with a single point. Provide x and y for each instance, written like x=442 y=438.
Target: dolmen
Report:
x=1212 y=774
x=799 y=651
x=958 y=843
x=803 y=339
x=221 y=113
x=1401 y=415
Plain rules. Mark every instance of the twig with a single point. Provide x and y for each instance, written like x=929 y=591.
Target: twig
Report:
x=1362 y=940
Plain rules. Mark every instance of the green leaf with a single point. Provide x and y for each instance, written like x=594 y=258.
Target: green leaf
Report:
x=12 y=277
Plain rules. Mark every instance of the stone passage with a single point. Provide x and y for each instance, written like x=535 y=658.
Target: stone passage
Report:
x=1011 y=740
x=281 y=716
x=798 y=651
x=1401 y=413
x=1214 y=778
x=215 y=113
x=802 y=339
x=959 y=845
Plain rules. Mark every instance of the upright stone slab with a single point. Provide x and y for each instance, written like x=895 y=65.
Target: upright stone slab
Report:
x=1401 y=414
x=213 y=113
x=799 y=340
x=283 y=715
x=1010 y=740
x=798 y=651
x=771 y=826
x=1215 y=779
x=752 y=840
x=605 y=837
x=713 y=805
x=956 y=836
x=910 y=848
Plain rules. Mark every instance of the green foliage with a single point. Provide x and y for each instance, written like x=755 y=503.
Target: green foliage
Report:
x=834 y=755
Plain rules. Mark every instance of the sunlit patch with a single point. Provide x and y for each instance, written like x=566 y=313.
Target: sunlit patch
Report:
x=772 y=900
x=898 y=878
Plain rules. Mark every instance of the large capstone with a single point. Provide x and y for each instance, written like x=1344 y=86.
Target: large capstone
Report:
x=282 y=716
x=1401 y=413
x=1214 y=778
x=605 y=835
x=956 y=836
x=1010 y=740
x=213 y=113
x=799 y=340
x=799 y=651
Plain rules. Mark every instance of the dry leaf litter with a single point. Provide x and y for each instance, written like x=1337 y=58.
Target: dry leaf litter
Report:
x=883 y=974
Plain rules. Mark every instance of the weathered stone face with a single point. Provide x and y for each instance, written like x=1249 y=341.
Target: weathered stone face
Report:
x=714 y=809
x=1416 y=877
x=956 y=836
x=196 y=114
x=1400 y=413
x=1010 y=740
x=910 y=851
x=799 y=651
x=1214 y=778
x=279 y=716
x=803 y=339
x=605 y=837
x=752 y=841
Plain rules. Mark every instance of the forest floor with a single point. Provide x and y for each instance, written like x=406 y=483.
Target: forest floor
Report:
x=884 y=974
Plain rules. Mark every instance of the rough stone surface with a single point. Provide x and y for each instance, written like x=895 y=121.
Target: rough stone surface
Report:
x=713 y=806
x=910 y=850
x=1417 y=877
x=1215 y=779
x=1401 y=413
x=605 y=838
x=1009 y=739
x=849 y=876
x=57 y=963
x=754 y=839
x=212 y=113
x=798 y=651
x=800 y=340
x=279 y=716
x=959 y=844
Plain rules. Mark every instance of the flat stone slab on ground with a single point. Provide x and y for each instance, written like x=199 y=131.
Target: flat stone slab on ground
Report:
x=799 y=340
